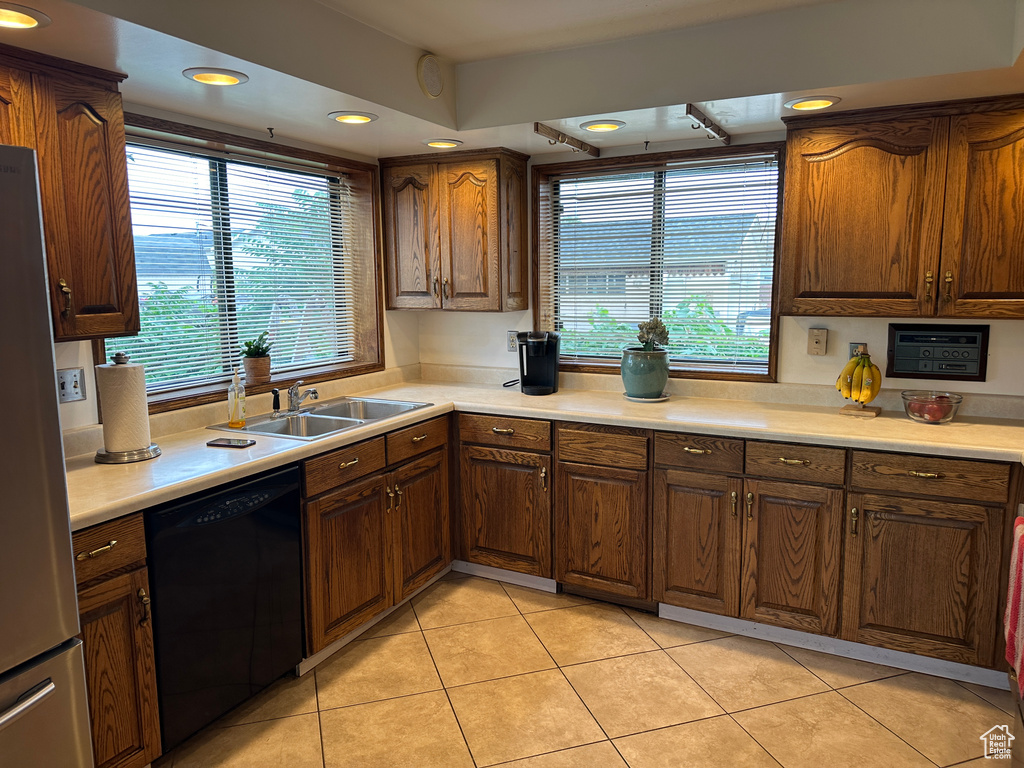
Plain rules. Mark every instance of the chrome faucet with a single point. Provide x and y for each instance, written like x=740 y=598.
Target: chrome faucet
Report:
x=295 y=398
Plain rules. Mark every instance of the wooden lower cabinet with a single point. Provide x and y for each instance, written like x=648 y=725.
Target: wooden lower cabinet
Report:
x=117 y=639
x=371 y=543
x=601 y=530
x=923 y=576
x=697 y=530
x=792 y=548
x=506 y=509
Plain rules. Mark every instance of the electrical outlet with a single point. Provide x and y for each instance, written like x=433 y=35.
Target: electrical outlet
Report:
x=858 y=348
x=70 y=384
x=513 y=342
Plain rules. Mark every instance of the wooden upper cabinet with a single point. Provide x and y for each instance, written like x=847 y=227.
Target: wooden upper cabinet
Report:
x=862 y=221
x=455 y=231
x=923 y=576
x=412 y=243
x=982 y=272
x=16 y=122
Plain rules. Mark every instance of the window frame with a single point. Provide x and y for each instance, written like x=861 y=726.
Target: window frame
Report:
x=542 y=176
x=362 y=177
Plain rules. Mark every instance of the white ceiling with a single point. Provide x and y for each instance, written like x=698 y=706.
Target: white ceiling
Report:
x=639 y=61
x=470 y=30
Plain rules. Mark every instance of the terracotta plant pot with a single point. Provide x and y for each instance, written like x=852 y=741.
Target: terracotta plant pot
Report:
x=257 y=370
x=644 y=374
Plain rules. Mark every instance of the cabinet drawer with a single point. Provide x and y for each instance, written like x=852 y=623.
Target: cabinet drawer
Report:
x=966 y=480
x=341 y=466
x=108 y=547
x=605 y=446
x=505 y=432
x=720 y=454
x=787 y=461
x=405 y=443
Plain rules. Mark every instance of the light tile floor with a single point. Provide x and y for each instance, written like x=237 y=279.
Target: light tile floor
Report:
x=477 y=673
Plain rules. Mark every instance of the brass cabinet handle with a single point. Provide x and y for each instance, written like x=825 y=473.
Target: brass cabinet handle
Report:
x=543 y=478
x=949 y=286
x=929 y=278
x=926 y=475
x=854 y=517
x=688 y=449
x=96 y=552
x=419 y=439
x=145 y=600
x=794 y=462
x=499 y=431
x=66 y=312
x=391 y=499
x=750 y=506
x=733 y=497
x=447 y=292
x=346 y=464
x=398 y=491
x=437 y=291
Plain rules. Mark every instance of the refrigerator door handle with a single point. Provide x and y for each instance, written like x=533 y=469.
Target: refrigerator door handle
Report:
x=28 y=704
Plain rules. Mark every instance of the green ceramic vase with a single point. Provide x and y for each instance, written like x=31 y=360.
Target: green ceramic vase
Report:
x=644 y=374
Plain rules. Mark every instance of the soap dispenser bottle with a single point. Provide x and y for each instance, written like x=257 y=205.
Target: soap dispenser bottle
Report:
x=236 y=402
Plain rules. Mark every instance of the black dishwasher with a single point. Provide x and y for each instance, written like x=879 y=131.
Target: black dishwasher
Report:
x=225 y=572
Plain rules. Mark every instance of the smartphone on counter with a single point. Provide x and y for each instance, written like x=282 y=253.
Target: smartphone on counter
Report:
x=231 y=442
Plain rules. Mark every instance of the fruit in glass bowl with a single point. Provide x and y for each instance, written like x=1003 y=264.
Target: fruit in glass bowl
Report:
x=931 y=407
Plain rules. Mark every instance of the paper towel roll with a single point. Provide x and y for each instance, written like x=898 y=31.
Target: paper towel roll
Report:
x=122 y=391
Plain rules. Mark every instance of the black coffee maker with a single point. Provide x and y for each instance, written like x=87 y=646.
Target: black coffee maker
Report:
x=538 y=362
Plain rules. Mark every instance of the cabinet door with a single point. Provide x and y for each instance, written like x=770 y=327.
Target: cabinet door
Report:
x=792 y=544
x=86 y=216
x=862 y=222
x=16 y=123
x=601 y=529
x=348 y=560
x=421 y=523
x=922 y=577
x=515 y=289
x=983 y=235
x=117 y=639
x=411 y=237
x=697 y=541
x=470 y=235
x=506 y=509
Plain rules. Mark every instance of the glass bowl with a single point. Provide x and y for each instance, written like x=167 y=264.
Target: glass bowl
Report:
x=931 y=407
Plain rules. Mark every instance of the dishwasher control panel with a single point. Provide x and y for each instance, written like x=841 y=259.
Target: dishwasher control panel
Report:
x=944 y=352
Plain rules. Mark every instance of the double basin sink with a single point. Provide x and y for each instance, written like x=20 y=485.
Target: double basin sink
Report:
x=325 y=419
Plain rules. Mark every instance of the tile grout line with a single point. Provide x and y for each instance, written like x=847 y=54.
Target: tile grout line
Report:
x=883 y=725
x=319 y=719
x=469 y=750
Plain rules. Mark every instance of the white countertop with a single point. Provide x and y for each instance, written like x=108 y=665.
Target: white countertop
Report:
x=100 y=492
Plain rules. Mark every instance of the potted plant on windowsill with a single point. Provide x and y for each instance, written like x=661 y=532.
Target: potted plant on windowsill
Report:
x=256 y=359
x=645 y=369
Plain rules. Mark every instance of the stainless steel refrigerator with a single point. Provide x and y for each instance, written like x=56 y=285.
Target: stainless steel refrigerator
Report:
x=44 y=717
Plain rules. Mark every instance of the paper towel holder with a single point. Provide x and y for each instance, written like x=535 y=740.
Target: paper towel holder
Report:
x=126 y=457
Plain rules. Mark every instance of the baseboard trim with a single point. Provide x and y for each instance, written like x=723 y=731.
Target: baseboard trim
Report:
x=899 y=659
x=310 y=662
x=509 y=577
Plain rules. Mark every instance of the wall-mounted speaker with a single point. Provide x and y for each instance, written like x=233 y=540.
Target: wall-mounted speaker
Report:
x=428 y=72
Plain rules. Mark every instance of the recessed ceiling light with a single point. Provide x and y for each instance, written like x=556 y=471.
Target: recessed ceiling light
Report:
x=812 y=102
x=21 y=17
x=353 y=118
x=443 y=143
x=214 y=76
x=602 y=126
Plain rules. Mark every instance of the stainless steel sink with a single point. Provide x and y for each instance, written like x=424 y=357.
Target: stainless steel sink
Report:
x=326 y=419
x=365 y=408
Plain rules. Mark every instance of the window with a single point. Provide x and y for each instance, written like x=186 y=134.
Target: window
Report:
x=689 y=240
x=227 y=247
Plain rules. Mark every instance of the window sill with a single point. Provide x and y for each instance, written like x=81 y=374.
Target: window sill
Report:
x=730 y=373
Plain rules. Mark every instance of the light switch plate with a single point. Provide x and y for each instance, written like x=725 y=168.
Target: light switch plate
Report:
x=70 y=384
x=817 y=341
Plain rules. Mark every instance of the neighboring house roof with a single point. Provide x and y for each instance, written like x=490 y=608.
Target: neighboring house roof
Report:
x=166 y=256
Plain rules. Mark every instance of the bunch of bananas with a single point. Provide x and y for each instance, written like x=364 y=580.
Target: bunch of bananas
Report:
x=860 y=379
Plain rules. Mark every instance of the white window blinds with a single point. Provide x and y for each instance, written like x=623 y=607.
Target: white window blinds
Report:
x=227 y=249
x=692 y=242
